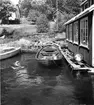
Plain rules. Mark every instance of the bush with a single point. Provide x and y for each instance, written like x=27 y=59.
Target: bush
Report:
x=59 y=26
x=1 y=31
x=42 y=24
x=33 y=15
x=7 y=32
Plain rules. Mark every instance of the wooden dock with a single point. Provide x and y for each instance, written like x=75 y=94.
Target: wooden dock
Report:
x=76 y=67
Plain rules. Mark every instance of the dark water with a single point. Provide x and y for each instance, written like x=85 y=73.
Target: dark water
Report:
x=32 y=84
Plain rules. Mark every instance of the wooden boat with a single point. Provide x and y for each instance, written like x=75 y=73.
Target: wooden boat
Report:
x=9 y=52
x=49 y=55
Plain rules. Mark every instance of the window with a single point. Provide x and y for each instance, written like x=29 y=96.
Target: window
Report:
x=82 y=8
x=75 y=31
x=91 y=2
x=84 y=31
x=86 y=5
x=70 y=32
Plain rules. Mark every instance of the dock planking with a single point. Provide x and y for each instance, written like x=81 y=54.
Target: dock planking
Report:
x=77 y=67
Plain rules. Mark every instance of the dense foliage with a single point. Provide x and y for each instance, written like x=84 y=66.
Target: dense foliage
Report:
x=33 y=15
x=68 y=6
x=42 y=24
x=25 y=7
x=5 y=8
x=43 y=8
x=32 y=10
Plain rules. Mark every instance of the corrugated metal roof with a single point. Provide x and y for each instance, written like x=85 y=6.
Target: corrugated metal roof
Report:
x=86 y=11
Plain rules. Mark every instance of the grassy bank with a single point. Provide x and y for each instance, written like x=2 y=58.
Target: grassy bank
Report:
x=26 y=36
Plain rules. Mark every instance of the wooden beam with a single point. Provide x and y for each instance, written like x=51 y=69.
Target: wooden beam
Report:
x=93 y=39
x=77 y=67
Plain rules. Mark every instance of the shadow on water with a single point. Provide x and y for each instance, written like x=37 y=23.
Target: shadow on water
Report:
x=32 y=84
x=84 y=89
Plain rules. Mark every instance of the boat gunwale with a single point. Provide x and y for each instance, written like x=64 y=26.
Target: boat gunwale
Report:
x=15 y=49
x=36 y=57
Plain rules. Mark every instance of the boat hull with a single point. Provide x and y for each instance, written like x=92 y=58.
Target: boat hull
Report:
x=50 y=62
x=47 y=59
x=9 y=53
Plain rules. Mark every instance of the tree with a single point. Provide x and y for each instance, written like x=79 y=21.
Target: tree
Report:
x=68 y=6
x=42 y=24
x=33 y=15
x=41 y=7
x=45 y=9
x=73 y=6
x=25 y=7
x=51 y=3
x=5 y=8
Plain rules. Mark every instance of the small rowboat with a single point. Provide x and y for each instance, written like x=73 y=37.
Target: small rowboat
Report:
x=9 y=52
x=49 y=55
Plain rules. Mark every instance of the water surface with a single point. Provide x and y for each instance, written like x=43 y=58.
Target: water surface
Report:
x=33 y=84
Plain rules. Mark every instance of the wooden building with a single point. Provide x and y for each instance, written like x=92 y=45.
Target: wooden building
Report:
x=80 y=32
x=58 y=14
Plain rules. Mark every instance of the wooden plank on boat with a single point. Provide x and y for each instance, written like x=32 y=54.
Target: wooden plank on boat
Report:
x=77 y=67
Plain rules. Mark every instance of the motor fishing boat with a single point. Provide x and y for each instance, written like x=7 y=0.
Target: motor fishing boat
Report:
x=9 y=52
x=49 y=55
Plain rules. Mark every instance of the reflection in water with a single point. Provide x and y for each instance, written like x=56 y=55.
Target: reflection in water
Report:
x=17 y=66
x=28 y=83
x=22 y=78
x=84 y=91
x=7 y=62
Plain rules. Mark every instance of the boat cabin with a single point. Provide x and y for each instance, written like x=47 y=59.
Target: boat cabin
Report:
x=80 y=32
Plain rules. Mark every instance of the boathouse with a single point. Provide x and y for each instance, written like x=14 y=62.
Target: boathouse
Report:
x=80 y=32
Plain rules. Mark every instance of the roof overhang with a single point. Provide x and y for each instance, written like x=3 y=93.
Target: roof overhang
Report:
x=57 y=11
x=85 y=12
x=83 y=2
